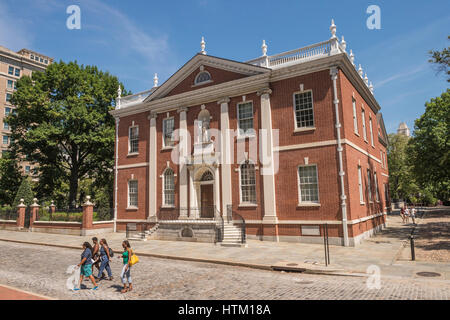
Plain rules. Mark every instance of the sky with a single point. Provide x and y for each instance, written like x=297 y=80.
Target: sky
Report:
x=136 y=39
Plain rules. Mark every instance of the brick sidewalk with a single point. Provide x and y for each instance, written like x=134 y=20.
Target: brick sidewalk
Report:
x=382 y=250
x=9 y=293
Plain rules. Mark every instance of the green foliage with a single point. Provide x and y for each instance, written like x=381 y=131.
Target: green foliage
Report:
x=401 y=180
x=24 y=193
x=103 y=204
x=10 y=178
x=430 y=147
x=442 y=60
x=63 y=124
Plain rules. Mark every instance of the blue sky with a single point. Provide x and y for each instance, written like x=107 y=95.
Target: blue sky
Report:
x=135 y=39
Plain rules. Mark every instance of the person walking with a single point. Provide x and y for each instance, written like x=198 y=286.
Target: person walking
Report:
x=407 y=214
x=86 y=265
x=105 y=258
x=96 y=255
x=402 y=214
x=126 y=271
x=413 y=214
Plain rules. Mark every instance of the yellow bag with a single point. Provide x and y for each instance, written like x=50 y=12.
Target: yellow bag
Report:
x=134 y=259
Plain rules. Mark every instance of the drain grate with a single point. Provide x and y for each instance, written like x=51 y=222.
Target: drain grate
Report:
x=428 y=274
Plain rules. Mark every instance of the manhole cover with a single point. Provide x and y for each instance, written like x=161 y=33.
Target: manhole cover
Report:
x=428 y=274
x=292 y=264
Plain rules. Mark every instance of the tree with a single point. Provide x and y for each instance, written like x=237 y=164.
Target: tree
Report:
x=442 y=60
x=63 y=124
x=401 y=181
x=24 y=193
x=430 y=146
x=10 y=178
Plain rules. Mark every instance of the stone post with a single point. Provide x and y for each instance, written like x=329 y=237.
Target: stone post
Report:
x=88 y=213
x=34 y=212
x=21 y=214
x=52 y=209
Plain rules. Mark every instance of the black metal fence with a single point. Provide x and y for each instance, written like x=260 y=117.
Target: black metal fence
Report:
x=103 y=214
x=8 y=214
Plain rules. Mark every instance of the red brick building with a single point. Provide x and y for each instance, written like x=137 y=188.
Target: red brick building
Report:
x=286 y=143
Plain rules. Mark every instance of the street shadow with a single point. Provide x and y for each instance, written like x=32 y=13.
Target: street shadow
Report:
x=117 y=287
x=441 y=245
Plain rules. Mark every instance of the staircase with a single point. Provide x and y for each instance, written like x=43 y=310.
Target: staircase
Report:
x=144 y=236
x=232 y=236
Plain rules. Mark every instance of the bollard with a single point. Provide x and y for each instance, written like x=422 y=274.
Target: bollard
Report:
x=413 y=253
x=325 y=245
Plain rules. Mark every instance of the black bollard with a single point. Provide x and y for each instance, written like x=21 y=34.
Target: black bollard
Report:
x=413 y=253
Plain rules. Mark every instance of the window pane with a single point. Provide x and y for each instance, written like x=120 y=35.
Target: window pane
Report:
x=10 y=84
x=202 y=77
x=8 y=97
x=248 y=183
x=11 y=70
x=169 y=188
x=133 y=193
x=304 y=115
x=7 y=111
x=245 y=116
x=168 y=127
x=134 y=140
x=309 y=191
x=17 y=73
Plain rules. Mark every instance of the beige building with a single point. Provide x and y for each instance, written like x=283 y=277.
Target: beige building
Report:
x=14 y=65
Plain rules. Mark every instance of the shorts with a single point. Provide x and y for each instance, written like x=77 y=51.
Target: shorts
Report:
x=86 y=270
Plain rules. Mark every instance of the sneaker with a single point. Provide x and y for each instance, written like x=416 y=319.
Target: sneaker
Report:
x=76 y=289
x=95 y=288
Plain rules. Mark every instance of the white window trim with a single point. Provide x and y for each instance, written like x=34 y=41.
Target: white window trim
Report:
x=300 y=129
x=242 y=203
x=164 y=147
x=355 y=118
x=128 y=195
x=164 y=205
x=307 y=203
x=371 y=131
x=363 y=119
x=129 y=140
x=203 y=82
x=247 y=134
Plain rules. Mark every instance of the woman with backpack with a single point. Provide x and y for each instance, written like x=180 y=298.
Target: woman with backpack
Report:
x=105 y=257
x=126 y=275
x=86 y=265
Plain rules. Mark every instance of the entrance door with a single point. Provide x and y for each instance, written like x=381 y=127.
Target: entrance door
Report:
x=207 y=201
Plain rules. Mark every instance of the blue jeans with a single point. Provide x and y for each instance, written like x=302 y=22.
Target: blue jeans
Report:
x=104 y=264
x=126 y=275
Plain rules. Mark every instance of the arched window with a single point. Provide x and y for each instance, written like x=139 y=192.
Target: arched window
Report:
x=169 y=188
x=203 y=76
x=248 y=183
x=207 y=176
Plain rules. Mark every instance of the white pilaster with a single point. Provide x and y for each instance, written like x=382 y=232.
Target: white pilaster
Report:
x=183 y=154
x=152 y=175
x=267 y=165
x=116 y=172
x=225 y=154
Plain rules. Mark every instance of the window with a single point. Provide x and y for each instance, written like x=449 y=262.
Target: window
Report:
x=5 y=125
x=363 y=116
x=304 y=115
x=46 y=61
x=169 y=188
x=203 y=76
x=27 y=169
x=36 y=58
x=17 y=72
x=5 y=139
x=10 y=84
x=360 y=186
x=355 y=120
x=369 y=185
x=308 y=184
x=245 y=118
x=11 y=70
x=248 y=183
x=32 y=56
x=377 y=196
x=371 y=132
x=132 y=193
x=41 y=60
x=7 y=111
x=134 y=140
x=168 y=127
x=8 y=97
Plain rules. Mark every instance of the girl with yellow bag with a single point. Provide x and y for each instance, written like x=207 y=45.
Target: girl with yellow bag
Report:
x=129 y=259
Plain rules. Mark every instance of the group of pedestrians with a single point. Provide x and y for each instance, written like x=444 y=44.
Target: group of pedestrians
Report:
x=407 y=213
x=100 y=256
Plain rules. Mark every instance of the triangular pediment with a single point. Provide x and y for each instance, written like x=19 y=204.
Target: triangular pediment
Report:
x=221 y=70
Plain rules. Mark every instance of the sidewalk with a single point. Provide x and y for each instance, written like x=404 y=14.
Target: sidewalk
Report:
x=382 y=250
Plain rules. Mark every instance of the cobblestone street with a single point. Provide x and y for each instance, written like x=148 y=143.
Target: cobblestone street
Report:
x=41 y=270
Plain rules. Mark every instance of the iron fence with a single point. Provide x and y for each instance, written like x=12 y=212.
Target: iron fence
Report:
x=103 y=214
x=8 y=214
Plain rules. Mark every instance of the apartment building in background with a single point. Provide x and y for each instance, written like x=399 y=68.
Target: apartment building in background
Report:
x=14 y=65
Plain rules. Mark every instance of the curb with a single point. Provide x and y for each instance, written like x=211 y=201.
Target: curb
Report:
x=203 y=260
x=27 y=292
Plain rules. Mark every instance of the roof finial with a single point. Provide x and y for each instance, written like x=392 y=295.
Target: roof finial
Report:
x=352 y=57
x=366 y=80
x=264 y=48
x=333 y=29
x=203 y=46
x=371 y=87
x=119 y=92
x=155 y=80
x=360 y=71
x=343 y=44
